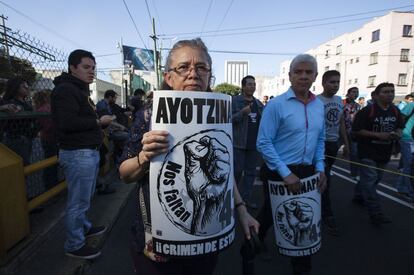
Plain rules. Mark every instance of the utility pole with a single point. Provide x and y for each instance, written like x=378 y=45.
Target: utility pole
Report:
x=6 y=42
x=156 y=66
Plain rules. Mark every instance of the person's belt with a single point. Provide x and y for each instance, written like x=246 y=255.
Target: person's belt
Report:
x=93 y=147
x=300 y=170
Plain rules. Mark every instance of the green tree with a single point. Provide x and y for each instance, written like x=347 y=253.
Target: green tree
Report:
x=16 y=67
x=226 y=88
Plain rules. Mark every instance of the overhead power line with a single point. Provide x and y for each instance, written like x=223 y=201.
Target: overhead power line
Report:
x=222 y=21
x=158 y=17
x=285 y=53
x=149 y=13
x=205 y=18
x=290 y=23
x=287 y=28
x=43 y=26
x=135 y=25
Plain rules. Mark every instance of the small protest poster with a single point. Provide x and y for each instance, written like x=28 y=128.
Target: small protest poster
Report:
x=191 y=186
x=297 y=217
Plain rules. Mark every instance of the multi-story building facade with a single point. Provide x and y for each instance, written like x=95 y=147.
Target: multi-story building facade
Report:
x=234 y=71
x=266 y=85
x=380 y=51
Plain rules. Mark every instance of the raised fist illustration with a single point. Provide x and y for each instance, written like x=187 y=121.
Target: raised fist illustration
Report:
x=299 y=216
x=207 y=164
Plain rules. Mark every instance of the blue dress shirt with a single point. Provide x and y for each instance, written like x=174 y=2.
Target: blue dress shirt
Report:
x=292 y=133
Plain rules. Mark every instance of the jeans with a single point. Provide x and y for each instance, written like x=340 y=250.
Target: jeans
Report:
x=81 y=170
x=245 y=161
x=331 y=149
x=404 y=183
x=366 y=188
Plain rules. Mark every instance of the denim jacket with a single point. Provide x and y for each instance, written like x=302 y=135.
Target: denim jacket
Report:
x=240 y=121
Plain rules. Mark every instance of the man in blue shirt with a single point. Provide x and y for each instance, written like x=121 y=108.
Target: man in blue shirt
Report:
x=291 y=140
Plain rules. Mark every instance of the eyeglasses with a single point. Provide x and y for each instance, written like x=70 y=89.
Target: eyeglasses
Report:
x=185 y=69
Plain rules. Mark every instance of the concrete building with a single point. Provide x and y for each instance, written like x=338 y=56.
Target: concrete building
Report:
x=266 y=85
x=99 y=87
x=380 y=51
x=234 y=71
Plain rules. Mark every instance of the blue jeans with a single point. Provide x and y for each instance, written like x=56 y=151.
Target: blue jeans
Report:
x=366 y=188
x=404 y=183
x=245 y=161
x=81 y=170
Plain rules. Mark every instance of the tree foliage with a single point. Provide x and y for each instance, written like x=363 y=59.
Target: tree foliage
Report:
x=16 y=67
x=226 y=88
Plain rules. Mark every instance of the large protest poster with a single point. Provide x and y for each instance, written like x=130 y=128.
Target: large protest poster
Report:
x=191 y=186
x=297 y=217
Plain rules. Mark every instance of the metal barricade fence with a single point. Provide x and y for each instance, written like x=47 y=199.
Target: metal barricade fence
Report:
x=20 y=132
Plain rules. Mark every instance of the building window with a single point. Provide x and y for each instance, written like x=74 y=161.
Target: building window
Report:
x=349 y=81
x=326 y=68
x=375 y=36
x=327 y=54
x=404 y=55
x=283 y=81
x=356 y=81
x=339 y=49
x=402 y=80
x=283 y=70
x=338 y=67
x=371 y=81
x=373 y=58
x=407 y=30
x=351 y=61
x=356 y=59
x=313 y=88
x=359 y=38
x=353 y=41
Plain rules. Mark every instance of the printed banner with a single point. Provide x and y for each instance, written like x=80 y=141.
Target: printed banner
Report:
x=142 y=59
x=191 y=186
x=297 y=217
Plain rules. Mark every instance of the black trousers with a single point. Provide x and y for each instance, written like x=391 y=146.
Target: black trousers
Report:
x=331 y=149
x=264 y=217
x=203 y=265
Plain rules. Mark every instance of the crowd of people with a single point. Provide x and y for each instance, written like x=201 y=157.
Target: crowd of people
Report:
x=290 y=137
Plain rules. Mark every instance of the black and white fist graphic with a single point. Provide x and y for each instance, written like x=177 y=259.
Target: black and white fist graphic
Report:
x=299 y=216
x=207 y=165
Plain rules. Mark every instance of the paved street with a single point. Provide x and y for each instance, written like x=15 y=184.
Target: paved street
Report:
x=361 y=248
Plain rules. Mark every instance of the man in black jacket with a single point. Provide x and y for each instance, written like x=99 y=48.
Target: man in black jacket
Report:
x=79 y=137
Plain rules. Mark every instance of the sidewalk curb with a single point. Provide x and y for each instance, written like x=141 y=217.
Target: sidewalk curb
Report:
x=43 y=253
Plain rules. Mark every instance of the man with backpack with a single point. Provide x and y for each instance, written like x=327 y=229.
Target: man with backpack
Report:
x=376 y=127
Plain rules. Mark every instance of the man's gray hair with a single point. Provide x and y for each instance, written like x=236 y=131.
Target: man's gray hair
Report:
x=304 y=58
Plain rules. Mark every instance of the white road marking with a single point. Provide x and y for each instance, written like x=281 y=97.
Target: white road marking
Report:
x=378 y=191
x=381 y=184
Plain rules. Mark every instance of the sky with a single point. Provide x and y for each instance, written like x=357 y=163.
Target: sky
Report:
x=99 y=26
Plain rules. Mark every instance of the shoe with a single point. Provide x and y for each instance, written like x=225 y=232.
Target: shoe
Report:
x=380 y=219
x=106 y=191
x=331 y=226
x=95 y=231
x=85 y=252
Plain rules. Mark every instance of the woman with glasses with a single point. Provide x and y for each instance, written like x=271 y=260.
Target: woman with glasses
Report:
x=188 y=68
